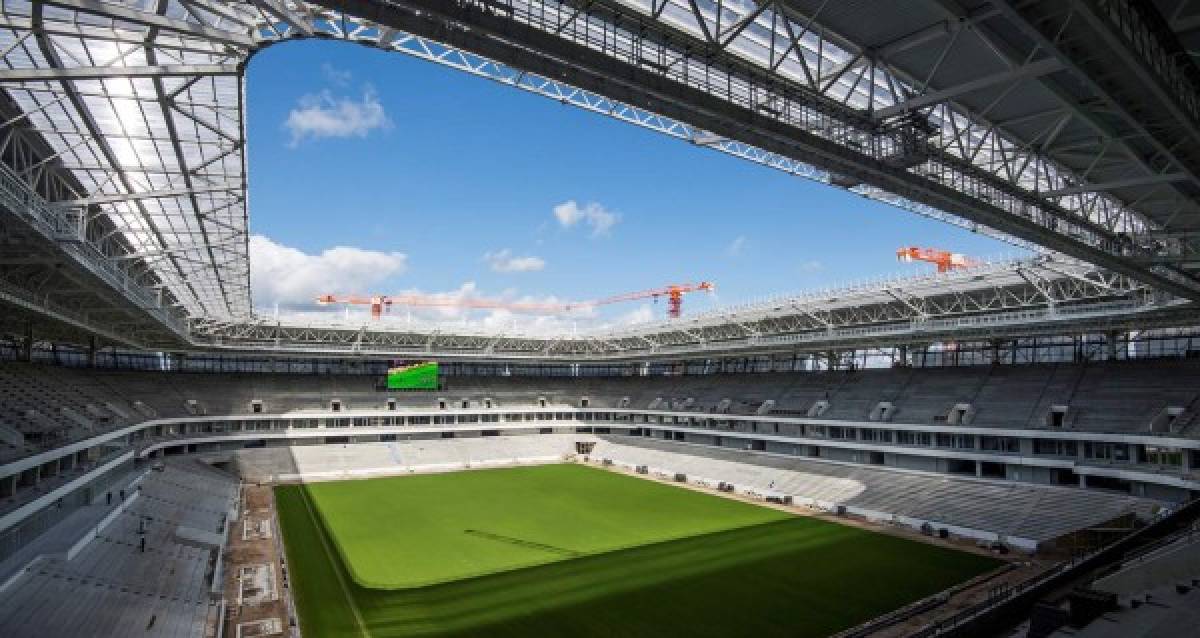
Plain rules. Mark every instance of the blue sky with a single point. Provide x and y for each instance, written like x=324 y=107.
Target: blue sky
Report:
x=430 y=179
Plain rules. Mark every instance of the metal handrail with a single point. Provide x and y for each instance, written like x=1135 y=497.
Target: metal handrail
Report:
x=64 y=228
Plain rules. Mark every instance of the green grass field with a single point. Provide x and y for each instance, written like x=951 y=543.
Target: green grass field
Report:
x=569 y=550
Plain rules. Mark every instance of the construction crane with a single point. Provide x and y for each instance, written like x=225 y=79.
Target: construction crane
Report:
x=945 y=260
x=380 y=303
x=673 y=292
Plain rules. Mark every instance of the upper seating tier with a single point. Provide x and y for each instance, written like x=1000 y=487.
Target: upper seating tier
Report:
x=43 y=407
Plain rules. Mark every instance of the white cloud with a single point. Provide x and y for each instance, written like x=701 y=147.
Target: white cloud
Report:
x=340 y=77
x=325 y=115
x=284 y=275
x=450 y=305
x=600 y=219
x=643 y=314
x=505 y=261
x=294 y=279
x=735 y=247
x=503 y=321
x=568 y=213
x=812 y=266
x=449 y=311
x=530 y=314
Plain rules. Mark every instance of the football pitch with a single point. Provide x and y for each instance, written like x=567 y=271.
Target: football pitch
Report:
x=563 y=550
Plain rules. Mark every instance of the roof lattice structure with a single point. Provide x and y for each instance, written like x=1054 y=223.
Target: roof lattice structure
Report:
x=1067 y=127
x=146 y=116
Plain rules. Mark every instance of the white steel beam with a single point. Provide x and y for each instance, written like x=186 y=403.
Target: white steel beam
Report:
x=109 y=72
x=1146 y=180
x=1031 y=70
x=124 y=13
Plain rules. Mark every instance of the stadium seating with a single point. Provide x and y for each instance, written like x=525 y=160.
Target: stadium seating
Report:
x=80 y=569
x=44 y=407
x=1022 y=514
x=362 y=459
x=50 y=405
x=89 y=577
x=1009 y=510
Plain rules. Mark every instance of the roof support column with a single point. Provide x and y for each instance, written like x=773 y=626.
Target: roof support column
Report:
x=26 y=353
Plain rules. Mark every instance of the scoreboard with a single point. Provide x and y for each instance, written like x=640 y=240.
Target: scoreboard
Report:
x=417 y=376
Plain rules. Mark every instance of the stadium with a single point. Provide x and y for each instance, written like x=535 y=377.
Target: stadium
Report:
x=192 y=445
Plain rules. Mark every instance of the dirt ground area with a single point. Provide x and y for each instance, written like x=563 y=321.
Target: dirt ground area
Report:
x=255 y=583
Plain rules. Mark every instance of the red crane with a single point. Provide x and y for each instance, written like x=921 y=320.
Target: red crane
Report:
x=673 y=292
x=379 y=303
x=944 y=259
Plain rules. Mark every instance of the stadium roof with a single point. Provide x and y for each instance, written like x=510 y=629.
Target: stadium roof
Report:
x=1072 y=127
x=1042 y=296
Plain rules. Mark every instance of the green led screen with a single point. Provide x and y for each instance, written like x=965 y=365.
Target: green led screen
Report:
x=418 y=376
